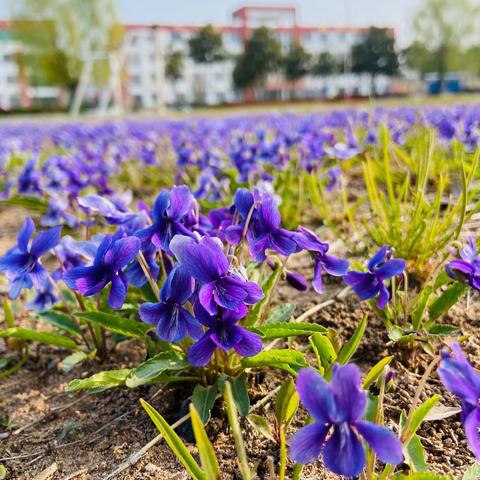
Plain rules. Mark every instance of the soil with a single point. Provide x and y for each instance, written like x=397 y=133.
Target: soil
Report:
x=87 y=436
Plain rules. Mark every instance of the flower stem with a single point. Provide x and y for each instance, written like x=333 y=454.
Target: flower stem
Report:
x=146 y=270
x=405 y=434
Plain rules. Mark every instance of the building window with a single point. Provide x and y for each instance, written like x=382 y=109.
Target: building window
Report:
x=136 y=79
x=134 y=39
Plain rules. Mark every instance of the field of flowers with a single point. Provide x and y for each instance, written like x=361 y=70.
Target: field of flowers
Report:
x=286 y=296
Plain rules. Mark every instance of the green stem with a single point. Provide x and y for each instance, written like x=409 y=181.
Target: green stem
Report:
x=283 y=453
x=17 y=366
x=297 y=471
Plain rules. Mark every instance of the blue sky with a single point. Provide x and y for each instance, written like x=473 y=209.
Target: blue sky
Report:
x=395 y=13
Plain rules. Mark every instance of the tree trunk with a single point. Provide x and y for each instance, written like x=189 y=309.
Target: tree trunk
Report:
x=373 y=88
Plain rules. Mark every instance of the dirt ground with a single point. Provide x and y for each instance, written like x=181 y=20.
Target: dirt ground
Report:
x=87 y=436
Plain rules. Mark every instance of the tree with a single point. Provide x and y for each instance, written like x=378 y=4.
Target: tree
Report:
x=471 y=59
x=444 y=26
x=296 y=63
x=174 y=66
x=174 y=69
x=375 y=54
x=419 y=58
x=206 y=45
x=261 y=57
x=326 y=64
x=57 y=37
x=205 y=48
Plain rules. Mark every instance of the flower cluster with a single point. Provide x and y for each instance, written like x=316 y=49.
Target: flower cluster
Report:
x=206 y=293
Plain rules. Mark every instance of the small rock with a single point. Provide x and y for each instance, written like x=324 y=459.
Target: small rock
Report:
x=150 y=468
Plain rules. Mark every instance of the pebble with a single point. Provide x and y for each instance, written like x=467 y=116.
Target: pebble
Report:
x=150 y=468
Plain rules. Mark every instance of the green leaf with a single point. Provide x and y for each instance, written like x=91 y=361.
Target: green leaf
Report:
x=280 y=313
x=117 y=324
x=284 y=330
x=258 y=310
x=105 y=379
x=261 y=425
x=42 y=337
x=6 y=360
x=443 y=329
x=286 y=403
x=174 y=442
x=324 y=351
x=420 y=307
x=203 y=399
x=416 y=453
x=372 y=407
x=240 y=393
x=441 y=280
x=74 y=359
x=421 y=412
x=350 y=348
x=237 y=432
x=447 y=299
x=61 y=321
x=472 y=473
x=29 y=202
x=397 y=334
x=376 y=371
x=289 y=360
x=3 y=472
x=149 y=370
x=205 y=449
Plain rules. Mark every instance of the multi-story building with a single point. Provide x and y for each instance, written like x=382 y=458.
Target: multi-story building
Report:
x=146 y=46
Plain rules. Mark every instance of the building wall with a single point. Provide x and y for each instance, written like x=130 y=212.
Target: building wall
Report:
x=10 y=84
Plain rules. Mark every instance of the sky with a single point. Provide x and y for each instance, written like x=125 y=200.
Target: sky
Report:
x=394 y=13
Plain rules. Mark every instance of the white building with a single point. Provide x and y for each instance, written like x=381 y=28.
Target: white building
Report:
x=148 y=45
x=146 y=48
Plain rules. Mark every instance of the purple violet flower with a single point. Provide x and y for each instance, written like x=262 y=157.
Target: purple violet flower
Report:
x=44 y=298
x=22 y=262
x=338 y=408
x=221 y=286
x=223 y=332
x=172 y=319
x=467 y=268
x=243 y=202
x=307 y=240
x=370 y=284
x=170 y=210
x=267 y=233
x=461 y=379
x=112 y=256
